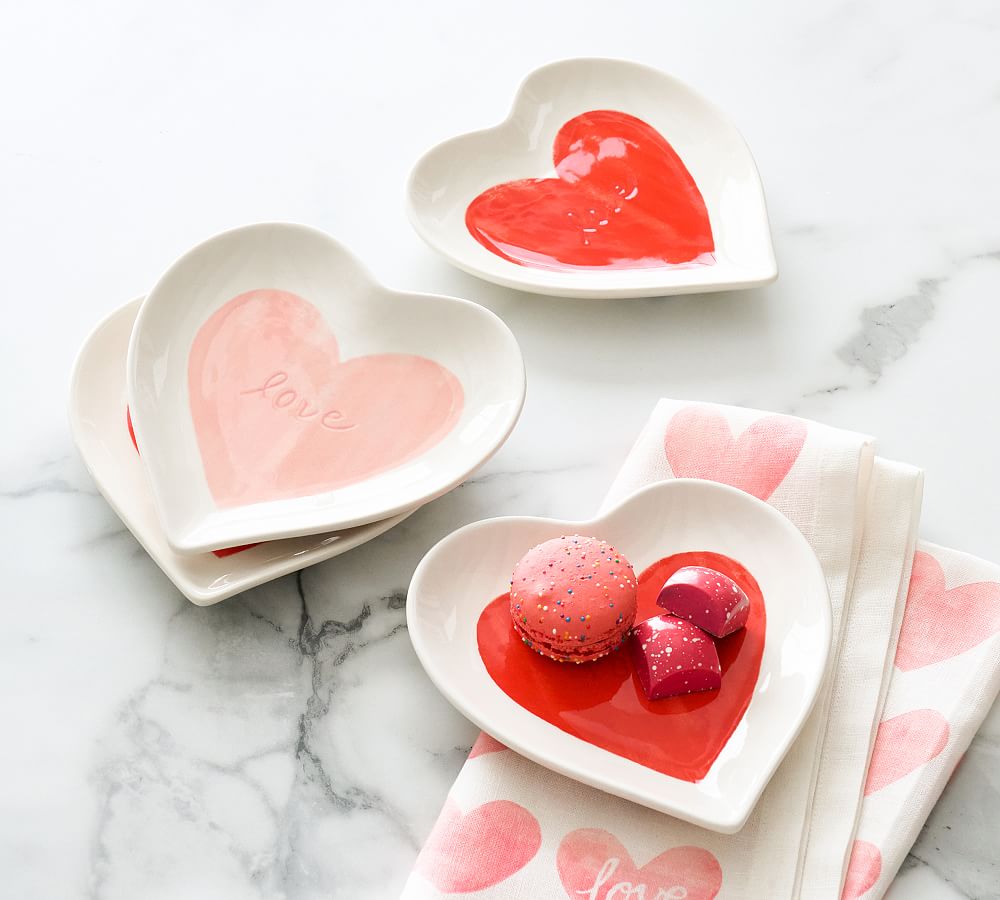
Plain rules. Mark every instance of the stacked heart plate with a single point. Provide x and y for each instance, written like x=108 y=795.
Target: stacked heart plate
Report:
x=269 y=405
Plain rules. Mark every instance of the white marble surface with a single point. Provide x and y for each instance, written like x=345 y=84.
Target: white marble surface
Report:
x=286 y=744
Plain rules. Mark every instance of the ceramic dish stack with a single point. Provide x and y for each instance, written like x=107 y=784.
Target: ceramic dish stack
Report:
x=269 y=405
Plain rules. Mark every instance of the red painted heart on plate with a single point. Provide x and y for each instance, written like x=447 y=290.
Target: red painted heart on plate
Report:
x=277 y=413
x=593 y=864
x=478 y=849
x=939 y=623
x=621 y=198
x=603 y=702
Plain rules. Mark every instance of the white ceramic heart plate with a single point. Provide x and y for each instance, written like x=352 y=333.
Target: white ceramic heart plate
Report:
x=277 y=390
x=447 y=178
x=459 y=577
x=98 y=421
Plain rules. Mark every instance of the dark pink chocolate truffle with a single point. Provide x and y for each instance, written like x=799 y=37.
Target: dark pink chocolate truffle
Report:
x=672 y=657
x=707 y=598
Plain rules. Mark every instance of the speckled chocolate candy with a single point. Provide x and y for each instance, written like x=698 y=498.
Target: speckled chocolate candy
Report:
x=673 y=657
x=707 y=598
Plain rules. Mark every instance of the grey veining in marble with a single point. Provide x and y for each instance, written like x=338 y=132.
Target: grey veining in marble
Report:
x=286 y=744
x=888 y=330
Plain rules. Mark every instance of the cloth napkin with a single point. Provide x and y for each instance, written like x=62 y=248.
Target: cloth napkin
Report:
x=915 y=667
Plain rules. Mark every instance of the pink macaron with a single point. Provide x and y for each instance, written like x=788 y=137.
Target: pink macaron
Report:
x=573 y=598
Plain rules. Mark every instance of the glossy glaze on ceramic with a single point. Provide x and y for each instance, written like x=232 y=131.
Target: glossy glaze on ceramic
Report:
x=621 y=199
x=102 y=434
x=451 y=176
x=603 y=702
x=383 y=439
x=459 y=578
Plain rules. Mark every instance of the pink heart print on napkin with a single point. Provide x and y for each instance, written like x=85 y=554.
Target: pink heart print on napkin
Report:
x=903 y=744
x=593 y=865
x=277 y=413
x=478 y=849
x=862 y=871
x=940 y=623
x=699 y=444
x=485 y=744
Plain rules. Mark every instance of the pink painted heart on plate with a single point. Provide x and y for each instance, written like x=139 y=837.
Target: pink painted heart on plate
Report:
x=593 y=864
x=478 y=849
x=277 y=413
x=862 y=871
x=939 y=623
x=903 y=744
x=699 y=444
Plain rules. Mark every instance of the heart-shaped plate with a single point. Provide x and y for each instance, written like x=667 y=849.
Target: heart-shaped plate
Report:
x=99 y=423
x=277 y=390
x=459 y=577
x=648 y=136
